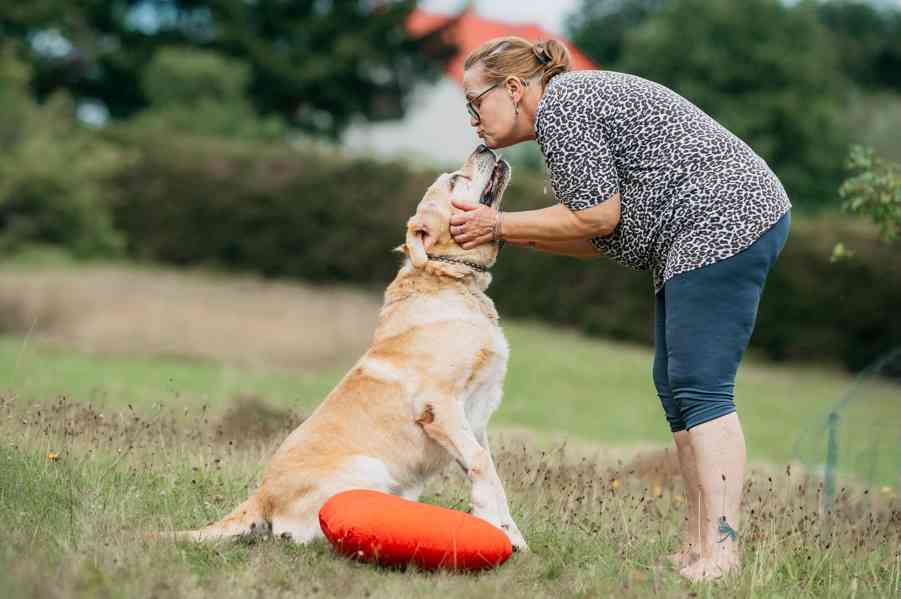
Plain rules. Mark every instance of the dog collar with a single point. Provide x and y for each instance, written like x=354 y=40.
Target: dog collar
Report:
x=452 y=260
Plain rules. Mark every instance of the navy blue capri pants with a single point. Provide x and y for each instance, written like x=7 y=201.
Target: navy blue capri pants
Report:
x=704 y=320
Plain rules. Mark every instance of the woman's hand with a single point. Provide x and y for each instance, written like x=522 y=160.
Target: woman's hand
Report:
x=474 y=226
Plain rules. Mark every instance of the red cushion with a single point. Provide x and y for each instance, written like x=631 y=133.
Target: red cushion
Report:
x=390 y=530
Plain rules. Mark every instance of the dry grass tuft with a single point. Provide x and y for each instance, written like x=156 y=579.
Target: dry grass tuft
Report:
x=656 y=467
x=249 y=419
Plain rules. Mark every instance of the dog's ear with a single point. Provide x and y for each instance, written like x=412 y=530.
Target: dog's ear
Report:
x=415 y=244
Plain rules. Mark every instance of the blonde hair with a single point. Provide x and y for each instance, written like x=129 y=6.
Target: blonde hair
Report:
x=503 y=57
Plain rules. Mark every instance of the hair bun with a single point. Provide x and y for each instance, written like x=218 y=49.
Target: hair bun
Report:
x=541 y=53
x=502 y=57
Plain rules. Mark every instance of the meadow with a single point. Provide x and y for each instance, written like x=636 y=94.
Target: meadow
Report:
x=144 y=399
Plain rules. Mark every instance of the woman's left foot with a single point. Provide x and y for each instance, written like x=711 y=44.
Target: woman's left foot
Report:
x=709 y=569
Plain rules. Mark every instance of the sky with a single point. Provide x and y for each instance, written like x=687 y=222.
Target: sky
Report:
x=547 y=13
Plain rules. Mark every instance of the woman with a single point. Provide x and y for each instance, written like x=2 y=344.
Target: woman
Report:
x=645 y=177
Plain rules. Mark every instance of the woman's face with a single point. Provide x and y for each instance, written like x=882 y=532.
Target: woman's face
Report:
x=497 y=113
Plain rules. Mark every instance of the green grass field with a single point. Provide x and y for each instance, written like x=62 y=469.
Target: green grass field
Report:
x=559 y=384
x=79 y=486
x=153 y=442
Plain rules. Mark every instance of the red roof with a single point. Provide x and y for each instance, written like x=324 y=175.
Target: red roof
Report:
x=468 y=31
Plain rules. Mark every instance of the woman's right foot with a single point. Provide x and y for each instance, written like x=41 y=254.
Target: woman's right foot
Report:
x=683 y=558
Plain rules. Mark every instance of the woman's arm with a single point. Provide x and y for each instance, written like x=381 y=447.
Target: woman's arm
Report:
x=476 y=225
x=559 y=223
x=576 y=248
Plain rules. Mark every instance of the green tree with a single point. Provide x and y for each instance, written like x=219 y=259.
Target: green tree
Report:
x=599 y=27
x=316 y=64
x=54 y=174
x=202 y=92
x=868 y=39
x=773 y=85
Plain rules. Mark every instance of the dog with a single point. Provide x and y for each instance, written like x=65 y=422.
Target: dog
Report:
x=421 y=395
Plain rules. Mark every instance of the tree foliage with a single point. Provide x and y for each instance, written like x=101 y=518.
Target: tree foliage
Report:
x=775 y=86
x=201 y=92
x=54 y=174
x=868 y=39
x=599 y=27
x=872 y=191
x=316 y=64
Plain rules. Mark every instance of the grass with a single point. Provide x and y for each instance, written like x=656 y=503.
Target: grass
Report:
x=73 y=523
x=35 y=369
x=177 y=438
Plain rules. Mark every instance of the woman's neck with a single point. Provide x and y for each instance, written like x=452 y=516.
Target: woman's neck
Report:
x=528 y=106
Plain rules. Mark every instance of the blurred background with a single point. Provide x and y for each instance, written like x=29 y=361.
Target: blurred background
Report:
x=198 y=199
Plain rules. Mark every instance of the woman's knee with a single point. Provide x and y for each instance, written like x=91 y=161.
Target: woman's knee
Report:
x=660 y=375
x=669 y=403
x=673 y=414
x=698 y=406
x=667 y=400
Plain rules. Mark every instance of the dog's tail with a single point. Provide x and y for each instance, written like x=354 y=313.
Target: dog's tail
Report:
x=248 y=519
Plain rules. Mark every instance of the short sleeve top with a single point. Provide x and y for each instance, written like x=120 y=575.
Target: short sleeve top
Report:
x=691 y=192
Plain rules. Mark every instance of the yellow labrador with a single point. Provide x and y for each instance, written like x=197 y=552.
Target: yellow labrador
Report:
x=419 y=397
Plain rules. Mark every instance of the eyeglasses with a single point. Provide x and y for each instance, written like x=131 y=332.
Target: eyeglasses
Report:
x=473 y=111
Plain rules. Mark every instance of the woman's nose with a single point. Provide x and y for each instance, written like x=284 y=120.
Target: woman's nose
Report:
x=473 y=121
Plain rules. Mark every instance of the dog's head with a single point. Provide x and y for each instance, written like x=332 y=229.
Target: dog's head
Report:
x=482 y=179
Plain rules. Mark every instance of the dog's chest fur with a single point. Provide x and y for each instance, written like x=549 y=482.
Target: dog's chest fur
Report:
x=465 y=344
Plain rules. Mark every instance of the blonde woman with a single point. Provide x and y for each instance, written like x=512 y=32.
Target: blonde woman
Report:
x=645 y=177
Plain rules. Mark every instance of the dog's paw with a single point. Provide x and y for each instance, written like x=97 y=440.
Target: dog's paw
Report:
x=516 y=538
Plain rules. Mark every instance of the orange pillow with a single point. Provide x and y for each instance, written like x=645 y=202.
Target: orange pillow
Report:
x=392 y=531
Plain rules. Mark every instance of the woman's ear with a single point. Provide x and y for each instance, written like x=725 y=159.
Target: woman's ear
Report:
x=414 y=246
x=514 y=88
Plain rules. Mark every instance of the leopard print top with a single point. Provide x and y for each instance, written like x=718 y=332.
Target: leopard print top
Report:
x=692 y=193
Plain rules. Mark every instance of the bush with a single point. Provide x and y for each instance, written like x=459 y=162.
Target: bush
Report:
x=202 y=92
x=53 y=174
x=284 y=212
x=874 y=191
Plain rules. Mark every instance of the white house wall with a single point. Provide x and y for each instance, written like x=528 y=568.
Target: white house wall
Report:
x=435 y=130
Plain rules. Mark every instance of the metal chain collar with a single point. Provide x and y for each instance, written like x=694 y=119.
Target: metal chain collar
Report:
x=452 y=260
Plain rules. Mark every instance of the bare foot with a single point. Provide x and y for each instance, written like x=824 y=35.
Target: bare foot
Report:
x=709 y=569
x=683 y=558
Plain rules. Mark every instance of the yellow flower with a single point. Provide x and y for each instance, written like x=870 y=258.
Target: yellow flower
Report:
x=658 y=491
x=53 y=456
x=615 y=483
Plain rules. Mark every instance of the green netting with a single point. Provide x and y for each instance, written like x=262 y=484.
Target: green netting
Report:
x=858 y=440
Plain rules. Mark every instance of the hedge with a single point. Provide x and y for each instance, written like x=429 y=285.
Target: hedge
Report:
x=319 y=216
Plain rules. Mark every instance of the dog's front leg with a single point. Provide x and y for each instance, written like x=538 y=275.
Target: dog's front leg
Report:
x=444 y=420
x=503 y=507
